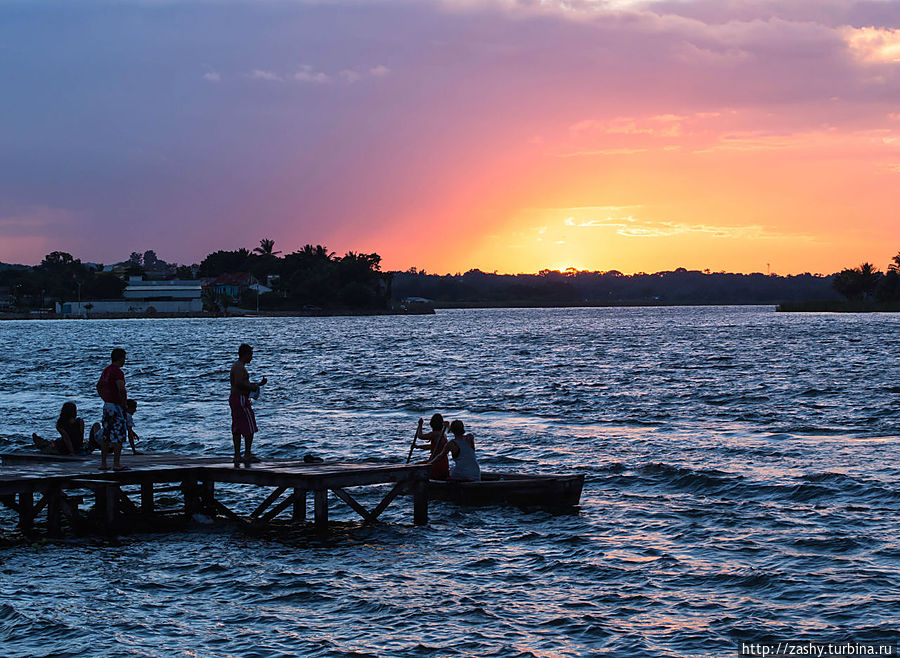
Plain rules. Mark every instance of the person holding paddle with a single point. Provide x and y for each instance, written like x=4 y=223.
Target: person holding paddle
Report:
x=437 y=440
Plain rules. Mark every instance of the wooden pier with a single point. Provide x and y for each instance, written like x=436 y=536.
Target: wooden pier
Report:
x=49 y=491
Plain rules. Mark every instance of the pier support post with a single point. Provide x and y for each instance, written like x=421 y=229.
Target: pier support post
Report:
x=26 y=510
x=299 y=512
x=189 y=491
x=420 y=502
x=146 y=499
x=321 y=504
x=107 y=504
x=208 y=497
x=54 y=528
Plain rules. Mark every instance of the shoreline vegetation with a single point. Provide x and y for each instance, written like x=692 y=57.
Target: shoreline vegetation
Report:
x=313 y=281
x=865 y=289
x=838 y=306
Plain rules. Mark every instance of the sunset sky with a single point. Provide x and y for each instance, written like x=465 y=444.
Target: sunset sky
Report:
x=513 y=136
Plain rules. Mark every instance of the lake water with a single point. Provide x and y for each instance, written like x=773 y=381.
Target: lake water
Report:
x=742 y=483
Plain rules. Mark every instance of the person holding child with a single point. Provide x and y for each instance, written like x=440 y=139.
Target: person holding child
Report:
x=111 y=389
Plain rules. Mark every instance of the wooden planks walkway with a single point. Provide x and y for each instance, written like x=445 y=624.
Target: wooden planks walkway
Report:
x=50 y=489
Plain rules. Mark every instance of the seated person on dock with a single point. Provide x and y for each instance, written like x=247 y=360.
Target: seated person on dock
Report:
x=437 y=440
x=131 y=407
x=95 y=439
x=71 y=434
x=462 y=447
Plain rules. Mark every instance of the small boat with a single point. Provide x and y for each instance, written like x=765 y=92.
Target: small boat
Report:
x=519 y=489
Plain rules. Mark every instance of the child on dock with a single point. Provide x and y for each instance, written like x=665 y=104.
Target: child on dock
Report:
x=437 y=440
x=95 y=439
x=129 y=423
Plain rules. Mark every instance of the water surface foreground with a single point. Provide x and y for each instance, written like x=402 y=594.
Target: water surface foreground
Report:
x=742 y=483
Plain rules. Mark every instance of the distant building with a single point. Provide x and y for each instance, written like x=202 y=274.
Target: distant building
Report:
x=235 y=284
x=157 y=290
x=142 y=297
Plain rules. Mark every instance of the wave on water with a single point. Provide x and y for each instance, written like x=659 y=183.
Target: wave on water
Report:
x=827 y=487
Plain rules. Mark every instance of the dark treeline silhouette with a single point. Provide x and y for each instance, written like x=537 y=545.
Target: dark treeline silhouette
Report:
x=572 y=288
x=309 y=277
x=59 y=276
x=315 y=278
x=867 y=283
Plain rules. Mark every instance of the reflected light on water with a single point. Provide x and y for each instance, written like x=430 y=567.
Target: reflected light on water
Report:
x=738 y=483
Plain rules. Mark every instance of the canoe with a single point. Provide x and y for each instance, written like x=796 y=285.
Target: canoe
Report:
x=511 y=489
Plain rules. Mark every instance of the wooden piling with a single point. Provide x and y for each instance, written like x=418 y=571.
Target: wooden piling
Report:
x=146 y=499
x=298 y=514
x=26 y=510
x=320 y=497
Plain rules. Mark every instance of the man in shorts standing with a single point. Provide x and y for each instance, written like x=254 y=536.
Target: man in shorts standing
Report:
x=243 y=420
x=111 y=388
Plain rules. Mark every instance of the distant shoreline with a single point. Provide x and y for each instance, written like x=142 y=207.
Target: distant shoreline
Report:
x=826 y=306
x=243 y=314
x=425 y=310
x=836 y=306
x=584 y=304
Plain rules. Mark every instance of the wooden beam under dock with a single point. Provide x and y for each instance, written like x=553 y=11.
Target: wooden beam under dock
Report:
x=116 y=494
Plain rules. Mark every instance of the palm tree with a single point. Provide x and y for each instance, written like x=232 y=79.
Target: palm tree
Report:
x=317 y=253
x=266 y=248
x=858 y=282
x=895 y=264
x=869 y=276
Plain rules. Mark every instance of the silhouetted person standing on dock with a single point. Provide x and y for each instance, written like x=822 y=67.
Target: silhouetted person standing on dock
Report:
x=243 y=420
x=111 y=388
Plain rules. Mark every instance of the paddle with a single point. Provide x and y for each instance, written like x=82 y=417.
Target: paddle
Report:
x=413 y=446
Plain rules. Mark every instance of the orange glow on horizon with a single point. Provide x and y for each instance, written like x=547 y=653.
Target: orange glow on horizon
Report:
x=657 y=193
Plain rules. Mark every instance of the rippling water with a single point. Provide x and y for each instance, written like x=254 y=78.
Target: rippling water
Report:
x=742 y=483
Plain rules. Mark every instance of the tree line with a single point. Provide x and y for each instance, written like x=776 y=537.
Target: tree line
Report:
x=578 y=287
x=312 y=276
x=59 y=277
x=867 y=283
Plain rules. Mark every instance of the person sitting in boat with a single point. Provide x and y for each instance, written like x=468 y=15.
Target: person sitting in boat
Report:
x=71 y=434
x=437 y=441
x=462 y=447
